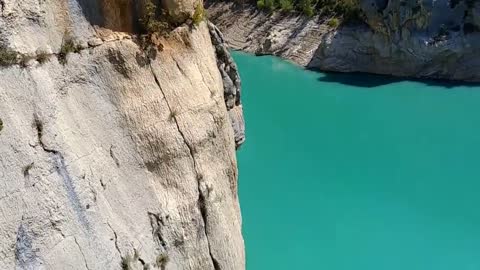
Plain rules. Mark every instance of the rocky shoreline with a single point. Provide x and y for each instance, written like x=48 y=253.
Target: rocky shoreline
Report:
x=405 y=42
x=245 y=28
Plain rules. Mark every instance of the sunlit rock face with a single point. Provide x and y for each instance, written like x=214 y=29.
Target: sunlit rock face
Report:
x=114 y=155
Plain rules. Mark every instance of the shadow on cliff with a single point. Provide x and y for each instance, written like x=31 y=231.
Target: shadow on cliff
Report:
x=372 y=80
x=116 y=15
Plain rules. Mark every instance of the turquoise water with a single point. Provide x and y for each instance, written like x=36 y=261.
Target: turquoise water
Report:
x=358 y=172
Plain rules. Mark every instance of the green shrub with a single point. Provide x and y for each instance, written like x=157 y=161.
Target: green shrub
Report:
x=306 y=7
x=42 y=57
x=261 y=4
x=68 y=46
x=268 y=5
x=151 y=22
x=286 y=5
x=333 y=23
x=7 y=56
x=343 y=10
x=350 y=9
x=199 y=14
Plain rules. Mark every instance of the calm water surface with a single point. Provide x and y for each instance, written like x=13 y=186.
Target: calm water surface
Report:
x=358 y=172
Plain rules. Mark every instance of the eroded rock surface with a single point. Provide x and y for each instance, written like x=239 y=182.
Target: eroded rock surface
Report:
x=434 y=39
x=118 y=155
x=246 y=28
x=231 y=83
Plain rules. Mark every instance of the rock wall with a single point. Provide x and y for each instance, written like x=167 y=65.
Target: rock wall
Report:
x=231 y=83
x=246 y=28
x=433 y=39
x=115 y=157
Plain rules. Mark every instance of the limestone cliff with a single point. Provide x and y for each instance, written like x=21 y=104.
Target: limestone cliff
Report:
x=414 y=38
x=115 y=155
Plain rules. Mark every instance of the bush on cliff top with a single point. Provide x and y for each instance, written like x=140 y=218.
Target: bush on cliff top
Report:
x=286 y=5
x=334 y=23
x=199 y=14
x=151 y=21
x=267 y=4
x=158 y=20
x=341 y=9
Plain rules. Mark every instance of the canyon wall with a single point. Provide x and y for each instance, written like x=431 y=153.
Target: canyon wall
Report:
x=115 y=155
x=415 y=38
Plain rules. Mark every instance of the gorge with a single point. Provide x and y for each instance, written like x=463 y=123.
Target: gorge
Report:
x=121 y=122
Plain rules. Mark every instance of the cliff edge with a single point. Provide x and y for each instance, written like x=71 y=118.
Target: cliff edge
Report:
x=117 y=148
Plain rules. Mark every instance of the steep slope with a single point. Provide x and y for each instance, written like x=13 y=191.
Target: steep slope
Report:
x=116 y=154
x=434 y=39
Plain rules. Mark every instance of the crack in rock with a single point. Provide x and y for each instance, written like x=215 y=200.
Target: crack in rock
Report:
x=156 y=222
x=61 y=168
x=81 y=252
x=114 y=157
x=201 y=197
x=115 y=239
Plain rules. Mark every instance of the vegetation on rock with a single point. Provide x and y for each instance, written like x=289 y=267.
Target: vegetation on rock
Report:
x=68 y=46
x=267 y=4
x=286 y=5
x=154 y=20
x=157 y=20
x=7 y=56
x=333 y=23
x=42 y=57
x=161 y=261
x=306 y=7
x=199 y=14
x=341 y=9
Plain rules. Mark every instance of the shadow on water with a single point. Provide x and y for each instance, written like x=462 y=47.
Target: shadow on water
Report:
x=373 y=80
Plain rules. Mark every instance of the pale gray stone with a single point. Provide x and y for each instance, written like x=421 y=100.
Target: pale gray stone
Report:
x=114 y=154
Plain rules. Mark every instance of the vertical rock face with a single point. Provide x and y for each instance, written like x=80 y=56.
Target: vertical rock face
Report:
x=231 y=83
x=114 y=156
x=435 y=39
